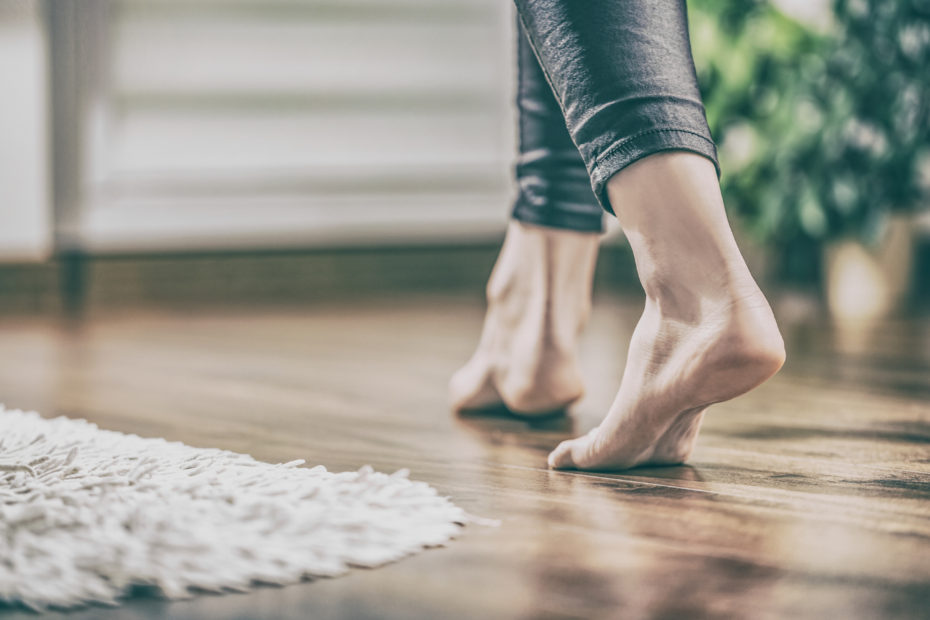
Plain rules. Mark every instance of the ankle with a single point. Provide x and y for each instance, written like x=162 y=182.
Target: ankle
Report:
x=670 y=208
x=540 y=262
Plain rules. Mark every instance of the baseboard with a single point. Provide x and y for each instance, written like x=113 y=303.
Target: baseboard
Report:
x=249 y=279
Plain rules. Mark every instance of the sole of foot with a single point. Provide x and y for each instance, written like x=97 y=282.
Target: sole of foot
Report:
x=673 y=374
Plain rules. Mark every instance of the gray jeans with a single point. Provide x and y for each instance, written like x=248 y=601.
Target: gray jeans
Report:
x=602 y=83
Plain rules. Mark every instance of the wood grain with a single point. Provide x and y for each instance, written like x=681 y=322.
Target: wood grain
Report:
x=808 y=498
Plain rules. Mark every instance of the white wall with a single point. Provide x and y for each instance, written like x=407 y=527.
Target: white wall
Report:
x=25 y=210
x=300 y=123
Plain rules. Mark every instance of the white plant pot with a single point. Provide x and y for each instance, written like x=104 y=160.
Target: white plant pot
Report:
x=865 y=284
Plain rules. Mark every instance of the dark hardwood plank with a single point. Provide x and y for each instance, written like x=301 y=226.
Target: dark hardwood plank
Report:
x=808 y=498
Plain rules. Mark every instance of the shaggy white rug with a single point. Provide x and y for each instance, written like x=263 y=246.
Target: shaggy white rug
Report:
x=85 y=514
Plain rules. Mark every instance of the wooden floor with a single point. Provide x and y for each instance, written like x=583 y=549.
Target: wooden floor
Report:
x=808 y=498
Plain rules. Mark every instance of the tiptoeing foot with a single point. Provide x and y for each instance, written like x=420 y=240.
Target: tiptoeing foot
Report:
x=539 y=297
x=707 y=333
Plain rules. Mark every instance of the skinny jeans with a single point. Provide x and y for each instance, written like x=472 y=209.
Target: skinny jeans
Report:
x=601 y=84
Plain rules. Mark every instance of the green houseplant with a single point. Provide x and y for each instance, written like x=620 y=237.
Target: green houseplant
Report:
x=824 y=135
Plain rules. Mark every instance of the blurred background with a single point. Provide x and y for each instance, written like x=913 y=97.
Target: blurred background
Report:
x=276 y=219
x=173 y=152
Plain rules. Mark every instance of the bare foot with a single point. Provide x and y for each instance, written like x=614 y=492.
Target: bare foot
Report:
x=539 y=297
x=707 y=333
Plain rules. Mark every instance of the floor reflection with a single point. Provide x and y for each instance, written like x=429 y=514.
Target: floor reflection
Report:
x=806 y=498
x=516 y=440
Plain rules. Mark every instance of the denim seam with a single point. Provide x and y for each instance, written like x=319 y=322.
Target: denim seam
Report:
x=599 y=177
x=620 y=144
x=556 y=219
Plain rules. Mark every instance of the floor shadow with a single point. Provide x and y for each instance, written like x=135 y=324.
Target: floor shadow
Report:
x=678 y=473
x=499 y=417
x=514 y=439
x=891 y=431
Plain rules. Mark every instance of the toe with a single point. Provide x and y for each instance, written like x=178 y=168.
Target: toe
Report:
x=473 y=388
x=561 y=457
x=582 y=453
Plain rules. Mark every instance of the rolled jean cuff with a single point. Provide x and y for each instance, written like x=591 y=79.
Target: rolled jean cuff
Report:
x=563 y=218
x=627 y=151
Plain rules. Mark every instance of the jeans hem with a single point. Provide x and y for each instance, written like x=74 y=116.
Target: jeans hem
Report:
x=624 y=153
x=553 y=218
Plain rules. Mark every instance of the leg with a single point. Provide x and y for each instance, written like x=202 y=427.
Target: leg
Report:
x=623 y=75
x=539 y=294
x=553 y=187
x=707 y=333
